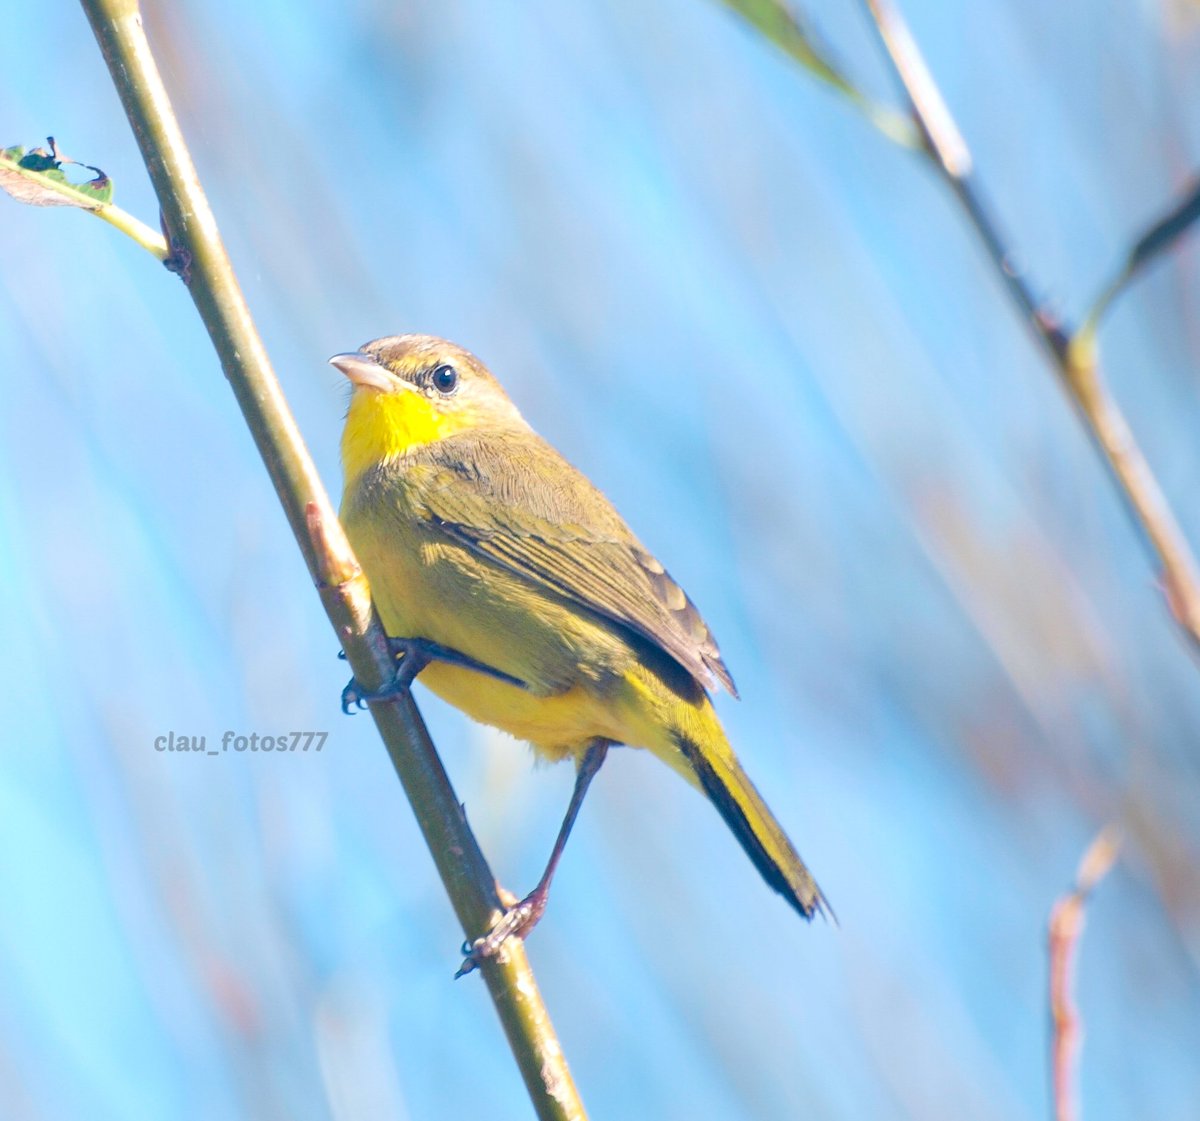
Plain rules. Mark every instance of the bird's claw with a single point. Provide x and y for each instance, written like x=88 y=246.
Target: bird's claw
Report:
x=351 y=698
x=355 y=697
x=516 y=922
x=354 y=694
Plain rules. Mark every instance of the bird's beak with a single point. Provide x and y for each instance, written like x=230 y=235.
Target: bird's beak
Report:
x=364 y=371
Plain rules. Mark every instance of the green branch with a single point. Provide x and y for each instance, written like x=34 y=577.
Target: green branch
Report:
x=199 y=257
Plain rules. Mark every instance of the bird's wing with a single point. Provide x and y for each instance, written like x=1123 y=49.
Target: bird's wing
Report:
x=526 y=508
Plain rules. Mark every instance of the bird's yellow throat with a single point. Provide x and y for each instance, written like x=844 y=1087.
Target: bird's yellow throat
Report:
x=382 y=426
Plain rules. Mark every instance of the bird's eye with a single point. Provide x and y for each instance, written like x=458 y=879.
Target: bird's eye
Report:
x=445 y=379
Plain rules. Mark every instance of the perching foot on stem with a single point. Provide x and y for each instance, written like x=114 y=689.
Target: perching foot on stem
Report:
x=518 y=921
x=413 y=655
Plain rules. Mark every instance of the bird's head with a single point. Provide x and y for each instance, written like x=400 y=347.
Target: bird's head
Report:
x=412 y=390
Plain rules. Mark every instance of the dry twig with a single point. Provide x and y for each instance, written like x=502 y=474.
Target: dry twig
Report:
x=1065 y=929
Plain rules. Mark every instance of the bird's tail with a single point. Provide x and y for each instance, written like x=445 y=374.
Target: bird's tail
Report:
x=719 y=774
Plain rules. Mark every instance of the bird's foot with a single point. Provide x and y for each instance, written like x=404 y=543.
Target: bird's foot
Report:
x=517 y=922
x=355 y=697
x=413 y=655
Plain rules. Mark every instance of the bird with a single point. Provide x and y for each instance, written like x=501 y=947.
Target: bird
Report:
x=519 y=595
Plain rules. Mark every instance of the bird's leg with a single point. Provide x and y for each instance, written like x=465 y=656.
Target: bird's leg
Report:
x=414 y=654
x=518 y=921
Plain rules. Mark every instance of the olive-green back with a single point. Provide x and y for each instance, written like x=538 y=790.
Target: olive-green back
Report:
x=512 y=499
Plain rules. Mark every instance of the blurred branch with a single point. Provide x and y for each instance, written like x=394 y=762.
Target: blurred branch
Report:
x=1075 y=356
x=199 y=257
x=1065 y=929
x=947 y=150
x=776 y=20
x=1156 y=240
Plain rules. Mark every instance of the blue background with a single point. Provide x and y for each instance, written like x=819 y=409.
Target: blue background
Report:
x=769 y=336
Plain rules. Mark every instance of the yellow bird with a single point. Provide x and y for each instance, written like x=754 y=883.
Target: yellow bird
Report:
x=525 y=598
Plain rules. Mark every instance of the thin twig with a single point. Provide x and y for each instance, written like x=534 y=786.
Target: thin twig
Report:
x=199 y=257
x=1074 y=356
x=1160 y=237
x=1065 y=929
